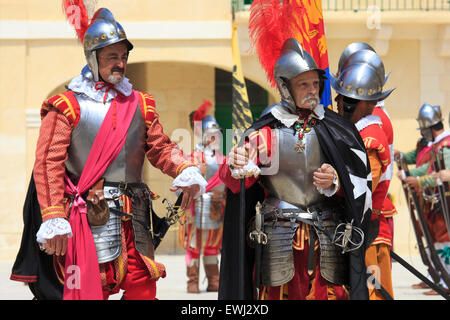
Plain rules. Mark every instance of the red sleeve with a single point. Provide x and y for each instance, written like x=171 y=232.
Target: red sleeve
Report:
x=233 y=184
x=261 y=149
x=49 y=168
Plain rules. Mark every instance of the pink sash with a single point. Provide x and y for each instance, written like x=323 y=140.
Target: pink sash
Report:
x=82 y=274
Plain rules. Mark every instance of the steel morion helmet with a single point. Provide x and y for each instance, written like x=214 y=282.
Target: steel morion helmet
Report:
x=429 y=116
x=349 y=51
x=293 y=61
x=103 y=31
x=362 y=80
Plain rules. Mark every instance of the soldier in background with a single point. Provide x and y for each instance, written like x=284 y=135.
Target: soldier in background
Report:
x=201 y=235
x=425 y=180
x=359 y=87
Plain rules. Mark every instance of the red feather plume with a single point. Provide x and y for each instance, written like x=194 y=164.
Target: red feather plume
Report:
x=77 y=15
x=270 y=24
x=202 y=111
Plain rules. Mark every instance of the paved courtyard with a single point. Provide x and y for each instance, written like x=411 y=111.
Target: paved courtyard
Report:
x=173 y=287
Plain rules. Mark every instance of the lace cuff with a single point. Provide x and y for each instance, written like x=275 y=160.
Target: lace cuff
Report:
x=190 y=176
x=331 y=190
x=53 y=227
x=250 y=169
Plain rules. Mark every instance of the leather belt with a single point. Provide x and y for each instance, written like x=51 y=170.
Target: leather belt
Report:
x=316 y=218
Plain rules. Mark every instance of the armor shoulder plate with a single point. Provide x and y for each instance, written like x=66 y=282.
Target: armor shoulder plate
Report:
x=147 y=105
x=66 y=103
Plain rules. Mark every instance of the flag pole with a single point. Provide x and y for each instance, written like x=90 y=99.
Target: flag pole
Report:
x=242 y=119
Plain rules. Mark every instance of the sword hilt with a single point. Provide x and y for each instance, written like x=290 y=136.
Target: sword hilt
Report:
x=258 y=235
x=173 y=216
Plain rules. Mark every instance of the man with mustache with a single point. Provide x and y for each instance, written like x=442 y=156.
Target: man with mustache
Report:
x=96 y=208
x=299 y=161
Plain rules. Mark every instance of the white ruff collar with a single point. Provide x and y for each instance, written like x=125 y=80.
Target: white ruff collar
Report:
x=441 y=136
x=367 y=121
x=86 y=86
x=288 y=119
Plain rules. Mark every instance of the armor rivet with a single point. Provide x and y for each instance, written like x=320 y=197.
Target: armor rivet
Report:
x=95 y=40
x=112 y=33
x=349 y=87
x=360 y=91
x=380 y=88
x=341 y=83
x=104 y=37
x=371 y=91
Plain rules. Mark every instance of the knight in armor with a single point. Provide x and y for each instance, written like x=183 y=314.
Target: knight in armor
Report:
x=302 y=207
x=425 y=180
x=201 y=233
x=97 y=220
x=359 y=88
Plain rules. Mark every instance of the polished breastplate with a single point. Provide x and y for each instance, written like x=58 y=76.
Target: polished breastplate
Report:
x=128 y=165
x=293 y=183
x=203 y=203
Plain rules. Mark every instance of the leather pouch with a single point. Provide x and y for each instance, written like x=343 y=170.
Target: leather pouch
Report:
x=96 y=205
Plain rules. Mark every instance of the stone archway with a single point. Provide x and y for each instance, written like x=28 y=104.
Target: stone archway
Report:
x=180 y=88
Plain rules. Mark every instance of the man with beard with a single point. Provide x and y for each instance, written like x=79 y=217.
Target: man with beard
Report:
x=97 y=221
x=300 y=162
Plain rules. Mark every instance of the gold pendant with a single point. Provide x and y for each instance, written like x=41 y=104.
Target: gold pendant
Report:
x=300 y=146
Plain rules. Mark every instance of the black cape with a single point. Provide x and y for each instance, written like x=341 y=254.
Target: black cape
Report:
x=33 y=266
x=337 y=136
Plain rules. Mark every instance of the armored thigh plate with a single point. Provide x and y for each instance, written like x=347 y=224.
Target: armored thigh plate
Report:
x=277 y=264
x=333 y=264
x=108 y=239
x=141 y=207
x=277 y=261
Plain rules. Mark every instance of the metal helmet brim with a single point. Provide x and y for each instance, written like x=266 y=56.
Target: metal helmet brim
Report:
x=361 y=82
